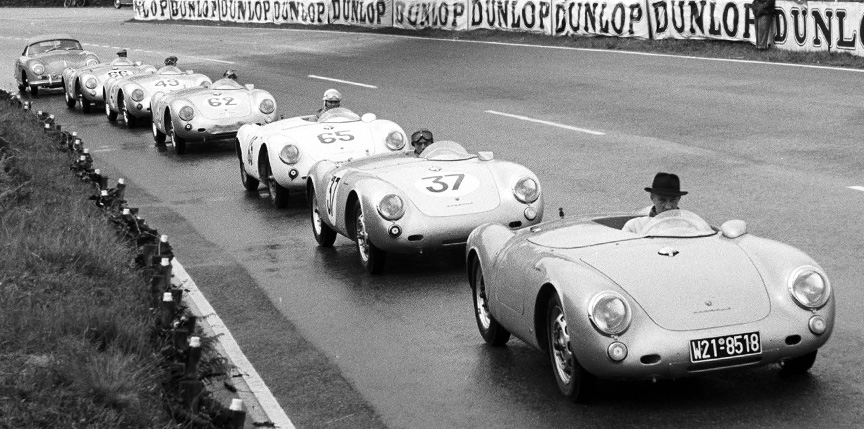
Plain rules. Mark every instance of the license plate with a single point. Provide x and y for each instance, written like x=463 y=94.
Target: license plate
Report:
x=727 y=346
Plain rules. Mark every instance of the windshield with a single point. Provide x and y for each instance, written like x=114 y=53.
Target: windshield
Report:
x=338 y=114
x=54 y=45
x=446 y=150
x=677 y=223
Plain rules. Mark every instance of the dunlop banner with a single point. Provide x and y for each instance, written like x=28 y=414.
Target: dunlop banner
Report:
x=364 y=13
x=620 y=18
x=151 y=10
x=438 y=14
x=534 y=16
x=196 y=10
x=820 y=27
x=309 y=12
x=251 y=11
x=689 y=19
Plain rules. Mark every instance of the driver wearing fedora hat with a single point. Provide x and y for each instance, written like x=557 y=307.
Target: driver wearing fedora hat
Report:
x=665 y=193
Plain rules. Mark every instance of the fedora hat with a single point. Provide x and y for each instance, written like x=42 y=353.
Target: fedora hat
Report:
x=666 y=184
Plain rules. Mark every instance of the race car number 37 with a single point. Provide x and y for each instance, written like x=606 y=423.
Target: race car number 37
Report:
x=445 y=184
x=729 y=346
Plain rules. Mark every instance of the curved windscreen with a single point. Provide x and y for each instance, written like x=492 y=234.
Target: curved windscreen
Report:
x=338 y=114
x=226 y=84
x=446 y=150
x=54 y=45
x=677 y=223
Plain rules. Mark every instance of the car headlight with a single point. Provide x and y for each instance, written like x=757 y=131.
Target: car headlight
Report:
x=395 y=140
x=289 y=154
x=92 y=61
x=527 y=190
x=186 y=113
x=137 y=95
x=90 y=82
x=267 y=106
x=37 y=68
x=609 y=313
x=809 y=288
x=391 y=207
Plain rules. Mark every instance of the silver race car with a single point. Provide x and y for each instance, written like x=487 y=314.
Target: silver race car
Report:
x=681 y=298
x=405 y=203
x=130 y=96
x=209 y=113
x=86 y=85
x=44 y=58
x=280 y=154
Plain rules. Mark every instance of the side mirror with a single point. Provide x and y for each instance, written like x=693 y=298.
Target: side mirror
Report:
x=368 y=117
x=733 y=228
x=249 y=86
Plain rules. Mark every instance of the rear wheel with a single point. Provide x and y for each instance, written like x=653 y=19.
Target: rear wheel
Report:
x=70 y=101
x=110 y=114
x=371 y=257
x=278 y=194
x=158 y=136
x=573 y=380
x=798 y=365
x=324 y=235
x=490 y=330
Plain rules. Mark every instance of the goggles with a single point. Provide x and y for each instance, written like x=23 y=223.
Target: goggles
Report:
x=420 y=136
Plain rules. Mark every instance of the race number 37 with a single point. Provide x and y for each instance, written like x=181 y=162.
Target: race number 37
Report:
x=448 y=184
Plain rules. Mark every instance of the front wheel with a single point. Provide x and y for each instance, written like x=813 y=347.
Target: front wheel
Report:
x=128 y=118
x=491 y=331
x=34 y=90
x=573 y=380
x=278 y=194
x=249 y=183
x=86 y=106
x=158 y=136
x=798 y=365
x=110 y=114
x=70 y=101
x=371 y=257
x=324 y=235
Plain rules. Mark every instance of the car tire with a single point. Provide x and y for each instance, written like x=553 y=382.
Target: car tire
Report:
x=128 y=119
x=110 y=114
x=371 y=256
x=798 y=365
x=573 y=380
x=278 y=194
x=491 y=331
x=179 y=142
x=324 y=235
x=158 y=136
x=249 y=183
x=86 y=105
x=70 y=101
x=34 y=91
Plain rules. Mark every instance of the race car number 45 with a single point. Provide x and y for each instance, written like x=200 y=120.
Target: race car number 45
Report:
x=728 y=346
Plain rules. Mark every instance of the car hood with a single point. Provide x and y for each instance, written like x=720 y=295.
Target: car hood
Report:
x=709 y=282
x=443 y=188
x=57 y=61
x=220 y=103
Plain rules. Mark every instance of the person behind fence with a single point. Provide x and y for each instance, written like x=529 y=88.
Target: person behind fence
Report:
x=665 y=194
x=763 y=11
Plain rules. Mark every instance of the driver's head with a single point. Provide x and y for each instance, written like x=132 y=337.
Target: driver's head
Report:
x=122 y=53
x=332 y=98
x=171 y=61
x=665 y=192
x=421 y=139
x=230 y=74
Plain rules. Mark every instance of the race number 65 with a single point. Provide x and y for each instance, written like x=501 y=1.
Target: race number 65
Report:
x=327 y=138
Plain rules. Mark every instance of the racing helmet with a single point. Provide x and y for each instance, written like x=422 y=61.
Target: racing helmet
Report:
x=230 y=74
x=422 y=136
x=332 y=95
x=171 y=61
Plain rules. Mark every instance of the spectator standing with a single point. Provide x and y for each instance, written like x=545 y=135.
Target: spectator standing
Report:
x=763 y=11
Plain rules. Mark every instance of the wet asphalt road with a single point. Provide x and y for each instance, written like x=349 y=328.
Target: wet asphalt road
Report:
x=774 y=145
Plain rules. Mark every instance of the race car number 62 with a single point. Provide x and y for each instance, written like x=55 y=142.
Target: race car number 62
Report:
x=221 y=101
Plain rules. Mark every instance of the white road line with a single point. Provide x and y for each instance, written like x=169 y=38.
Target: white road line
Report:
x=554 y=124
x=343 y=81
x=262 y=393
x=857 y=188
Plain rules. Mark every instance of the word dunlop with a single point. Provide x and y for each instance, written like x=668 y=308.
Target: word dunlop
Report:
x=359 y=11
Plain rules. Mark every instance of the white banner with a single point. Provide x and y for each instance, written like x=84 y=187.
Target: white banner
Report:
x=151 y=10
x=621 y=18
x=252 y=11
x=196 y=10
x=309 y=12
x=534 y=16
x=438 y=14
x=820 y=27
x=363 y=13
x=688 y=19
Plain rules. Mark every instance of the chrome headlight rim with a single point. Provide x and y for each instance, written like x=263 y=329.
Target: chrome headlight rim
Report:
x=526 y=194
x=289 y=154
x=391 y=207
x=395 y=140
x=137 y=94
x=90 y=82
x=804 y=273
x=91 y=62
x=186 y=113
x=602 y=326
x=37 y=68
x=267 y=106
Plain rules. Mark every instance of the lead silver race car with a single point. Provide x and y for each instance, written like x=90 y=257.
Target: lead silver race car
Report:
x=44 y=58
x=405 y=203
x=679 y=299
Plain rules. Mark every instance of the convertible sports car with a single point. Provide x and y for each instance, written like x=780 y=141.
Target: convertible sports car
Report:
x=44 y=59
x=131 y=95
x=280 y=154
x=404 y=203
x=211 y=113
x=681 y=298
x=86 y=85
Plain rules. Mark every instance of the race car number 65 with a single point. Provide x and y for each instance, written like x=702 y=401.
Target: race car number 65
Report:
x=339 y=135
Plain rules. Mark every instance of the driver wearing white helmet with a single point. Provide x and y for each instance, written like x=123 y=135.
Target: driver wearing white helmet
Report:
x=332 y=98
